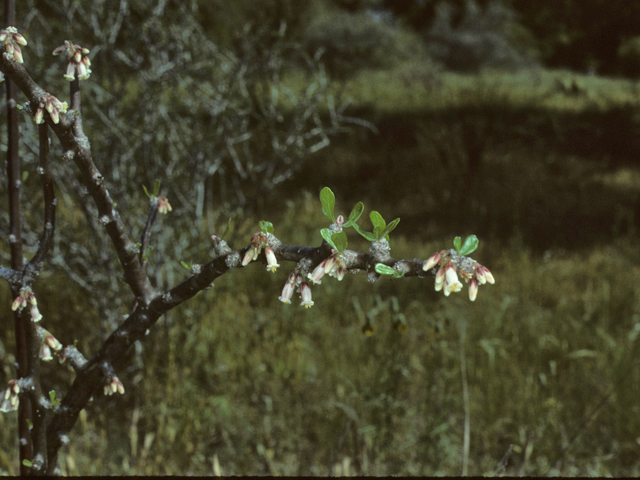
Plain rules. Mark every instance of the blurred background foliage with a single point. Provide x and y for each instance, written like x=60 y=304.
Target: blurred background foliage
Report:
x=517 y=121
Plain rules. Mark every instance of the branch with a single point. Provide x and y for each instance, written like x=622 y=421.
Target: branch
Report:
x=44 y=169
x=76 y=147
x=95 y=373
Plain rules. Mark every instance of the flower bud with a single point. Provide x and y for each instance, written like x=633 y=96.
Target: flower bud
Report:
x=431 y=262
x=473 y=289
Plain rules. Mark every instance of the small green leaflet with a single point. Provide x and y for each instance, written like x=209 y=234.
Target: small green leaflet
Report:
x=337 y=240
x=469 y=246
x=383 y=269
x=328 y=201
x=354 y=215
x=368 y=235
x=389 y=228
x=266 y=227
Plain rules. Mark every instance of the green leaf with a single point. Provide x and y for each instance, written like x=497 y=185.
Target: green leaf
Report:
x=389 y=228
x=470 y=245
x=226 y=230
x=354 y=215
x=266 y=227
x=328 y=201
x=382 y=269
x=156 y=187
x=146 y=254
x=368 y=235
x=27 y=463
x=184 y=264
x=25 y=175
x=378 y=224
x=147 y=192
x=340 y=240
x=52 y=397
x=457 y=242
x=398 y=274
x=327 y=234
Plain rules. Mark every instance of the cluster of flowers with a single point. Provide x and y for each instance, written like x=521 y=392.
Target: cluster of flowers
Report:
x=163 y=205
x=295 y=283
x=78 y=60
x=334 y=266
x=49 y=342
x=12 y=39
x=450 y=265
x=52 y=105
x=113 y=385
x=10 y=399
x=25 y=298
x=258 y=242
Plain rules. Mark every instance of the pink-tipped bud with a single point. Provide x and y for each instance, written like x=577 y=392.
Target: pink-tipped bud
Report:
x=330 y=263
x=17 y=54
x=19 y=39
x=17 y=303
x=440 y=275
x=7 y=393
x=120 y=388
x=340 y=273
x=38 y=116
x=488 y=276
x=32 y=299
x=305 y=293
x=77 y=56
x=54 y=116
x=292 y=278
x=287 y=292
x=58 y=50
x=431 y=262
x=248 y=256
x=53 y=342
x=272 y=261
x=340 y=221
x=318 y=272
x=473 y=289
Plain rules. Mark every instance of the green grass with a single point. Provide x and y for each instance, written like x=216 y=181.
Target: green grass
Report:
x=235 y=382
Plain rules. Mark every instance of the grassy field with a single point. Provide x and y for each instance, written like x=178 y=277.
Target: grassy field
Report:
x=543 y=365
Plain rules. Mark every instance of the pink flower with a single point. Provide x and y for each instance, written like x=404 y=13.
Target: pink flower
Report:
x=305 y=293
x=272 y=261
x=318 y=272
x=287 y=292
x=78 y=60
